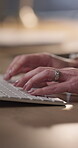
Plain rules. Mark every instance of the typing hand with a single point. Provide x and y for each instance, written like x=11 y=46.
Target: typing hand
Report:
x=40 y=78
x=25 y=63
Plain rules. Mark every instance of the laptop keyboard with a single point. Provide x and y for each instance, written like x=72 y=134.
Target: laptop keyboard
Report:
x=8 y=92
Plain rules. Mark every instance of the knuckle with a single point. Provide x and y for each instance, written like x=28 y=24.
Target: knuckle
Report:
x=47 y=73
x=39 y=69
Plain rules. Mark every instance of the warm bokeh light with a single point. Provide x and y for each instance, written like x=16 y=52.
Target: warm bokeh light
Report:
x=68 y=107
x=28 y=17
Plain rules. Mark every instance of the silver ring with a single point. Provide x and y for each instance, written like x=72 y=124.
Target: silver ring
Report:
x=57 y=75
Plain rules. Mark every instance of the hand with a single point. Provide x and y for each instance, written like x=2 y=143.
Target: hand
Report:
x=25 y=63
x=43 y=77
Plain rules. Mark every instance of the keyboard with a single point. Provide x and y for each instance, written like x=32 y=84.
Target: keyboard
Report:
x=8 y=92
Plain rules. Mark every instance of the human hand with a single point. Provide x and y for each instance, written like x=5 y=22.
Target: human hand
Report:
x=43 y=77
x=25 y=63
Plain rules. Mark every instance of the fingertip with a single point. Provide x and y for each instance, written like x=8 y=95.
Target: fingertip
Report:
x=32 y=93
x=35 y=92
x=27 y=86
x=7 y=76
x=16 y=83
x=24 y=87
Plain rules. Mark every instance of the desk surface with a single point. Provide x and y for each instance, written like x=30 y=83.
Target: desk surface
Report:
x=35 y=126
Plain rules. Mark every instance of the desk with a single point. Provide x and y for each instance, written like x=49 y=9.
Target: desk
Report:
x=36 y=126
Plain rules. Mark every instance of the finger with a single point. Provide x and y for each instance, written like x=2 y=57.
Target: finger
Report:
x=40 y=85
x=73 y=85
x=13 y=62
x=41 y=77
x=51 y=83
x=25 y=69
x=28 y=76
x=14 y=67
x=7 y=73
x=51 y=89
x=22 y=63
x=43 y=84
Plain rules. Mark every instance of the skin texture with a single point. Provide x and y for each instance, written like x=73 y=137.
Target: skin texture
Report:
x=25 y=63
x=39 y=72
x=44 y=78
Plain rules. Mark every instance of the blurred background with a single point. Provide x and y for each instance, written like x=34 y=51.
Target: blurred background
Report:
x=28 y=26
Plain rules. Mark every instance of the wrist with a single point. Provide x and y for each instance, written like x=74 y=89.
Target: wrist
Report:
x=59 y=62
x=73 y=63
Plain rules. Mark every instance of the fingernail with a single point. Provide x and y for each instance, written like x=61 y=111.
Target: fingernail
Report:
x=31 y=90
x=24 y=87
x=32 y=93
x=16 y=82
